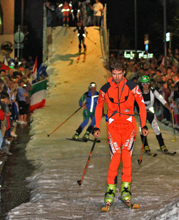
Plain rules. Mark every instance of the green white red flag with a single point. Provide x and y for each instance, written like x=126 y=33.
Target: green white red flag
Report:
x=34 y=71
x=38 y=95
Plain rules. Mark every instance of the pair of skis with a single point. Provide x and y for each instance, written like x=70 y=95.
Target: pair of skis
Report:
x=166 y=152
x=128 y=203
x=82 y=140
x=84 y=57
x=150 y=154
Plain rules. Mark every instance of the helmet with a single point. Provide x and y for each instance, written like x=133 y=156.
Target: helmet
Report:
x=92 y=84
x=145 y=79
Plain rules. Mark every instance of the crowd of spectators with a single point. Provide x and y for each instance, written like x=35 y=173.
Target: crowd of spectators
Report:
x=15 y=87
x=164 y=77
x=67 y=13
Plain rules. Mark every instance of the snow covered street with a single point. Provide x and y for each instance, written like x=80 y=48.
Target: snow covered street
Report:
x=60 y=162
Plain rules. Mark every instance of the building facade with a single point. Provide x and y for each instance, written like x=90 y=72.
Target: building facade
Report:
x=6 y=23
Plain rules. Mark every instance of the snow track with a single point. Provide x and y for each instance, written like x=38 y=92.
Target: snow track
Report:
x=60 y=163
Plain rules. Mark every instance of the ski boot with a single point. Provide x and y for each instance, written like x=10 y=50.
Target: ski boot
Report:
x=63 y=25
x=79 y=52
x=77 y=133
x=76 y=136
x=126 y=192
x=163 y=148
x=67 y=25
x=146 y=149
x=86 y=136
x=110 y=194
x=109 y=197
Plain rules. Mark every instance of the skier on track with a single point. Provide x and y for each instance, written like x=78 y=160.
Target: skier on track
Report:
x=149 y=96
x=82 y=33
x=90 y=98
x=66 y=10
x=120 y=94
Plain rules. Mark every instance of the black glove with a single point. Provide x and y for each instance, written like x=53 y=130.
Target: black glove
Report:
x=145 y=127
x=95 y=129
x=74 y=30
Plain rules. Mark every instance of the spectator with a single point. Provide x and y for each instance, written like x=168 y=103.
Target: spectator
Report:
x=176 y=56
x=12 y=91
x=22 y=94
x=28 y=88
x=111 y=58
x=5 y=123
x=30 y=61
x=166 y=94
x=84 y=14
x=75 y=7
x=59 y=14
x=89 y=13
x=97 y=9
x=175 y=78
x=50 y=10
x=2 y=116
x=152 y=83
x=175 y=112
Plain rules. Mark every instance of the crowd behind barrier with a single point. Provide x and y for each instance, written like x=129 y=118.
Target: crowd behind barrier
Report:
x=15 y=86
x=68 y=13
x=164 y=77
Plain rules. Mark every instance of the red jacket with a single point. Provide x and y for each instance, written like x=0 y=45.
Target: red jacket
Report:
x=127 y=92
x=66 y=9
x=2 y=115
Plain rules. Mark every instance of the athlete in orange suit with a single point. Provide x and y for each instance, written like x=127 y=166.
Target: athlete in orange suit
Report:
x=120 y=95
x=66 y=9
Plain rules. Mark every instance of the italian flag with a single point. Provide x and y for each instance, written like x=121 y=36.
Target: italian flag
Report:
x=34 y=71
x=38 y=95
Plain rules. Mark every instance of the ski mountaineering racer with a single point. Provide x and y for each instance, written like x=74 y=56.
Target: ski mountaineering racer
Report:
x=82 y=33
x=91 y=97
x=149 y=96
x=120 y=94
x=66 y=10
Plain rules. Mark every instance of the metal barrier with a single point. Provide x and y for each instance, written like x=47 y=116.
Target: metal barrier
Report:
x=105 y=37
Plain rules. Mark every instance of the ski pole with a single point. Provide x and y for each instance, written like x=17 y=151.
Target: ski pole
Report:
x=90 y=40
x=140 y=160
x=174 y=139
x=64 y=121
x=80 y=181
x=72 y=37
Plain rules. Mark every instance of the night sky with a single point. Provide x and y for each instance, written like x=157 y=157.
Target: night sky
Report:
x=120 y=21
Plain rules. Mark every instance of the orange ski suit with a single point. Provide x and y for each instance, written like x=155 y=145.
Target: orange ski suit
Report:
x=121 y=125
x=66 y=12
